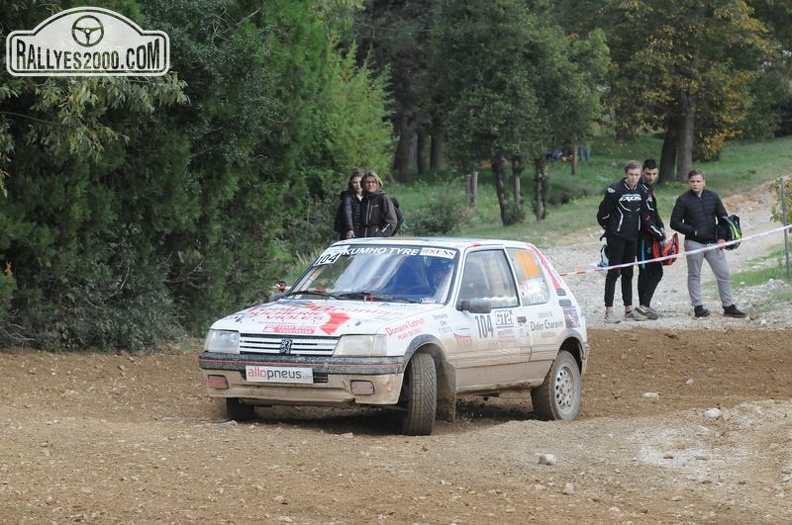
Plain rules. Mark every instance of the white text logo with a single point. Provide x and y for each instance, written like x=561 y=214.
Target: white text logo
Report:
x=87 y=41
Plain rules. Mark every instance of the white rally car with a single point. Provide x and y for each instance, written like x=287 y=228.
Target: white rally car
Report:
x=407 y=323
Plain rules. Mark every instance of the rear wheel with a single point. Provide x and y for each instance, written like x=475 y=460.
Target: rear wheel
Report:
x=419 y=396
x=558 y=397
x=238 y=411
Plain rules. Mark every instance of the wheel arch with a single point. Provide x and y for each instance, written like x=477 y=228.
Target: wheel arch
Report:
x=579 y=350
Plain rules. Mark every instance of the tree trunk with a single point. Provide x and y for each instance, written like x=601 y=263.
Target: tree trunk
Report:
x=498 y=172
x=517 y=169
x=684 y=149
x=436 y=152
x=420 y=153
x=541 y=184
x=401 y=157
x=668 y=155
x=574 y=159
x=471 y=186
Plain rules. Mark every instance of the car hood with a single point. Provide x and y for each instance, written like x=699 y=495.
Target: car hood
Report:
x=323 y=318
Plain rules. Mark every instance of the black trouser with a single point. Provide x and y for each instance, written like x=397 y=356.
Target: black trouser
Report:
x=649 y=274
x=620 y=251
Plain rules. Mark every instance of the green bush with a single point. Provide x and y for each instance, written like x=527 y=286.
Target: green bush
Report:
x=782 y=204
x=566 y=188
x=121 y=302
x=443 y=212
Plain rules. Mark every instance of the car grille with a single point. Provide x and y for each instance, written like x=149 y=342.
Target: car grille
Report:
x=276 y=344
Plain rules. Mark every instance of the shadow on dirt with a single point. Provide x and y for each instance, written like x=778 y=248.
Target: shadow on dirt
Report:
x=472 y=413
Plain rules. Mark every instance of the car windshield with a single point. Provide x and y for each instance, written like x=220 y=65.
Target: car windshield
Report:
x=380 y=273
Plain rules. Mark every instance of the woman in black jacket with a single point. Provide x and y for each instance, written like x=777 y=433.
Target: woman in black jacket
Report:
x=379 y=212
x=348 y=222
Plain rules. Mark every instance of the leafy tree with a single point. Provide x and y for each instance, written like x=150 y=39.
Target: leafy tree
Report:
x=683 y=66
x=333 y=116
x=67 y=239
x=224 y=253
x=509 y=85
x=395 y=34
x=777 y=15
x=771 y=94
x=138 y=208
x=277 y=114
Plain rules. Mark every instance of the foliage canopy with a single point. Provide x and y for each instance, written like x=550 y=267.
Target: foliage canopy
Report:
x=140 y=209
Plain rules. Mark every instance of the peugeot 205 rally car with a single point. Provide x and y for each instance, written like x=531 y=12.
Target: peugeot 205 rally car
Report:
x=407 y=323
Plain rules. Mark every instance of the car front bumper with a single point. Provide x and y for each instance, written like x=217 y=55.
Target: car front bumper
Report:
x=336 y=381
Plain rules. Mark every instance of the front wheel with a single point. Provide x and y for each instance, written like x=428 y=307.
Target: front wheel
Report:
x=419 y=396
x=238 y=411
x=558 y=397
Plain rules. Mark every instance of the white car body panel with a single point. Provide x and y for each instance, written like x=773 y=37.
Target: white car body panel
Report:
x=532 y=314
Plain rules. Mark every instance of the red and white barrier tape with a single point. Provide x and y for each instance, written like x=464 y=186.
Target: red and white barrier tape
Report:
x=680 y=254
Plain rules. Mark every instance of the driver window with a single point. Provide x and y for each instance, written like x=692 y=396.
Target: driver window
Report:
x=487 y=276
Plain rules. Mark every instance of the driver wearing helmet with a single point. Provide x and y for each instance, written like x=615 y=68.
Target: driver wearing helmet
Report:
x=438 y=274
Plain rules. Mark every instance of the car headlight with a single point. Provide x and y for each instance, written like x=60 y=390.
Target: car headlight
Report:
x=222 y=341
x=361 y=346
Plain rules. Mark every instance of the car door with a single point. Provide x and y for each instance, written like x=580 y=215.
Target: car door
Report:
x=544 y=311
x=490 y=346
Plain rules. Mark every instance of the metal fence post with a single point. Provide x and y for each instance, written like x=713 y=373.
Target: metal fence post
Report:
x=786 y=230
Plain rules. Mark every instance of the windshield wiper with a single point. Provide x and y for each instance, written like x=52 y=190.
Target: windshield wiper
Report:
x=320 y=293
x=377 y=296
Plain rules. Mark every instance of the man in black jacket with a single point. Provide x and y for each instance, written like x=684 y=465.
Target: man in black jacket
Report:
x=649 y=273
x=697 y=215
x=621 y=213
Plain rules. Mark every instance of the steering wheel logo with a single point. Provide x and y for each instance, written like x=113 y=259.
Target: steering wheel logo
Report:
x=87 y=31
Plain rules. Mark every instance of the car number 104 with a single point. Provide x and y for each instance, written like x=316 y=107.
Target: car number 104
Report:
x=328 y=258
x=484 y=325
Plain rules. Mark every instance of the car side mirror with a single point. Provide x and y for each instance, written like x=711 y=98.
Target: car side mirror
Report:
x=474 y=306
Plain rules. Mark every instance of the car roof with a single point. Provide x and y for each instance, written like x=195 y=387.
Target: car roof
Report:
x=460 y=243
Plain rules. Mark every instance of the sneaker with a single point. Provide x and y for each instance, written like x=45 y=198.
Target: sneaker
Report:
x=610 y=318
x=700 y=311
x=634 y=315
x=647 y=312
x=732 y=311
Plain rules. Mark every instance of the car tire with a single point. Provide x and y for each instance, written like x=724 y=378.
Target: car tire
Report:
x=238 y=411
x=419 y=396
x=558 y=397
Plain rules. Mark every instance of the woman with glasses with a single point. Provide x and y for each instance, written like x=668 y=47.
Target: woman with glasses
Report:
x=379 y=212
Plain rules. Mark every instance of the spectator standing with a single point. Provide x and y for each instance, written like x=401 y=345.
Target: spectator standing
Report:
x=585 y=153
x=379 y=212
x=697 y=215
x=349 y=222
x=649 y=273
x=621 y=213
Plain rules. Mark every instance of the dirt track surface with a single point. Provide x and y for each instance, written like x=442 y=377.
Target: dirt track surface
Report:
x=134 y=439
x=683 y=421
